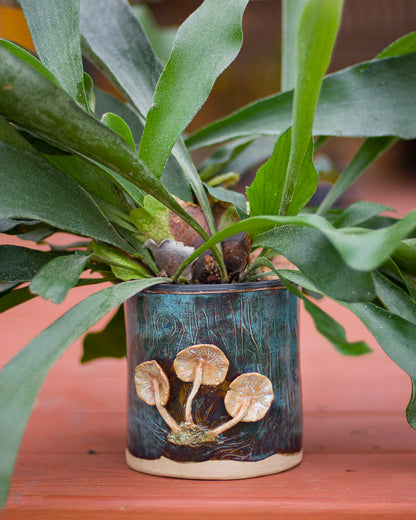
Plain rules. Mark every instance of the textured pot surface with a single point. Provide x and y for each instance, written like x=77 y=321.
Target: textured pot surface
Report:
x=254 y=327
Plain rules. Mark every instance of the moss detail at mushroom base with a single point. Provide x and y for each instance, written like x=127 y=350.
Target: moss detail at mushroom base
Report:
x=191 y=435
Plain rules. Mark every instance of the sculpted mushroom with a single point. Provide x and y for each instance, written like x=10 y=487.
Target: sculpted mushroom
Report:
x=203 y=365
x=152 y=386
x=248 y=400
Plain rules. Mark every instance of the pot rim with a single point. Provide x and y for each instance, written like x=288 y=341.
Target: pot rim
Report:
x=264 y=285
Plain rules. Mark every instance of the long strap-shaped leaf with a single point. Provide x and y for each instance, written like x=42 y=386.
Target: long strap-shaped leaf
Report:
x=375 y=98
x=29 y=99
x=117 y=43
x=372 y=147
x=316 y=35
x=22 y=378
x=265 y=194
x=21 y=264
x=327 y=326
x=55 y=29
x=361 y=249
x=206 y=43
x=134 y=68
x=291 y=13
x=114 y=39
x=394 y=334
x=33 y=189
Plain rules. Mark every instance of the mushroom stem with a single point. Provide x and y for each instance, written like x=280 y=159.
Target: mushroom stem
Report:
x=242 y=412
x=195 y=387
x=169 y=420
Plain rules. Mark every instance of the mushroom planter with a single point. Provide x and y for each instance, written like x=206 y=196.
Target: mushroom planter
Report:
x=214 y=387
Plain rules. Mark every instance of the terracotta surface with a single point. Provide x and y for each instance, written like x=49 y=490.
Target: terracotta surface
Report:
x=359 y=453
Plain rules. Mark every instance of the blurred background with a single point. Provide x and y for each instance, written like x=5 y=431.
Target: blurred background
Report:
x=367 y=28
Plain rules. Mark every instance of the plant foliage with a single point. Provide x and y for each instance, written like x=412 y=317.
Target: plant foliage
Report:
x=119 y=176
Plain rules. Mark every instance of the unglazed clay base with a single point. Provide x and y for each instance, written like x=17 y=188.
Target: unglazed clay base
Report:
x=214 y=469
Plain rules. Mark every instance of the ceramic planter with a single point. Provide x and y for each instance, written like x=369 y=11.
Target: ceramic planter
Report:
x=213 y=381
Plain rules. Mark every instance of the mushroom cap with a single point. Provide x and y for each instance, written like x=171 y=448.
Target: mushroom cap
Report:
x=145 y=373
x=257 y=388
x=214 y=364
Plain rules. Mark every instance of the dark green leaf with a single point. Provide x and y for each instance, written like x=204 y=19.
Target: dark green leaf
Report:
x=23 y=294
x=109 y=342
x=30 y=59
x=32 y=188
x=361 y=249
x=369 y=249
x=329 y=328
x=205 y=44
x=172 y=177
x=393 y=333
x=22 y=378
x=36 y=104
x=319 y=261
x=114 y=39
x=95 y=180
x=55 y=29
x=113 y=257
x=380 y=222
x=394 y=298
x=15 y=298
x=326 y=325
x=9 y=135
x=116 y=42
x=396 y=336
x=318 y=27
x=124 y=184
x=256 y=153
x=42 y=146
x=372 y=148
x=26 y=229
x=359 y=212
x=221 y=158
x=376 y=98
x=6 y=287
x=392 y=271
x=405 y=256
x=55 y=279
x=21 y=264
x=236 y=199
x=191 y=174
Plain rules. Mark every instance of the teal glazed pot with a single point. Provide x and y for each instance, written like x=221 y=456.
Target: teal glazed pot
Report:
x=213 y=380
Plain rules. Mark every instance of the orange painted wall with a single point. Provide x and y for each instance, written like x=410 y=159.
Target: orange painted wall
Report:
x=13 y=27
